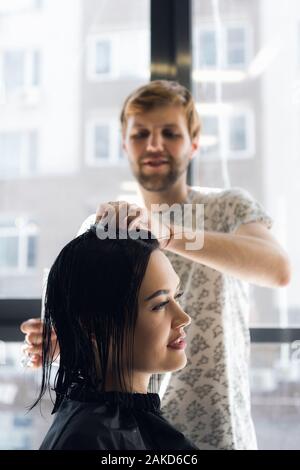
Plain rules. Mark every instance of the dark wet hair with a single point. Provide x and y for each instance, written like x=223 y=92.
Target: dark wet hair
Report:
x=91 y=302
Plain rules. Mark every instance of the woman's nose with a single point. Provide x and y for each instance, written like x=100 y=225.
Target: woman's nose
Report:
x=182 y=318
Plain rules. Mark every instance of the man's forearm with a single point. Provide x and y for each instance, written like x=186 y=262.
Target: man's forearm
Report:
x=247 y=258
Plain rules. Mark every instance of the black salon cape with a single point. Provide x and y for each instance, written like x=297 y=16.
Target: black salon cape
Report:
x=89 y=420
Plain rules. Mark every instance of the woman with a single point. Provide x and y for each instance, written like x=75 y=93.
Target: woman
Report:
x=113 y=305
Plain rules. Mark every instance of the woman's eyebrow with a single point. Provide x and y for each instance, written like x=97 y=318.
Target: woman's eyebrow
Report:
x=159 y=292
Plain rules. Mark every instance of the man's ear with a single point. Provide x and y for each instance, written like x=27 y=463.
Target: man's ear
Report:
x=124 y=146
x=194 y=147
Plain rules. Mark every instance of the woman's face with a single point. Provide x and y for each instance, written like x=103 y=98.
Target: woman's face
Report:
x=160 y=320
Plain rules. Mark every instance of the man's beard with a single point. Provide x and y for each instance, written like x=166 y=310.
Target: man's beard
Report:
x=160 y=182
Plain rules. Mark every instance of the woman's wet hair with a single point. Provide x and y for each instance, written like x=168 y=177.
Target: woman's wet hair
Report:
x=91 y=303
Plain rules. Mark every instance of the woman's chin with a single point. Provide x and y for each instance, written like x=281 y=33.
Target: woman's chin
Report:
x=180 y=364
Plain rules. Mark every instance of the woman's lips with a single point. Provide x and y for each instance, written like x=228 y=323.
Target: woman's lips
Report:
x=178 y=345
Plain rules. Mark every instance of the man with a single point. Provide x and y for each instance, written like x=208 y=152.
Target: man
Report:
x=209 y=400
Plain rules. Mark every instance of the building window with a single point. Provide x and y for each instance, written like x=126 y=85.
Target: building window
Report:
x=18 y=245
x=9 y=7
x=236 y=47
x=21 y=71
x=208 y=50
x=210 y=137
x=18 y=154
x=103 y=57
x=110 y=56
x=103 y=142
x=235 y=42
x=31 y=251
x=227 y=133
x=237 y=134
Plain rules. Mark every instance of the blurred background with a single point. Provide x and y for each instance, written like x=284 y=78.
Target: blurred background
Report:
x=66 y=67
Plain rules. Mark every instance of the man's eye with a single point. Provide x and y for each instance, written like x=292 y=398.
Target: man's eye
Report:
x=170 y=134
x=140 y=135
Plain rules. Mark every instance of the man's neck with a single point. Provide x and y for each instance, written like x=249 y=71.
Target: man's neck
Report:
x=177 y=194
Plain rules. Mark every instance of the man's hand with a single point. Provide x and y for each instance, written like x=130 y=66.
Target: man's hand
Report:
x=132 y=217
x=33 y=330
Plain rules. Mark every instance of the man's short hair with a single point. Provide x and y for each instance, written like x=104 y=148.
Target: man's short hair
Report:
x=160 y=93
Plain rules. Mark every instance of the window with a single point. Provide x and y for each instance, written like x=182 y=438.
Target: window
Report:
x=210 y=137
x=110 y=55
x=238 y=134
x=103 y=57
x=13 y=70
x=238 y=140
x=18 y=245
x=103 y=142
x=8 y=7
x=21 y=70
x=235 y=43
x=18 y=154
x=207 y=44
x=236 y=47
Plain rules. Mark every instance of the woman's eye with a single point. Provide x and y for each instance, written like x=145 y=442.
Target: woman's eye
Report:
x=160 y=306
x=163 y=304
x=180 y=294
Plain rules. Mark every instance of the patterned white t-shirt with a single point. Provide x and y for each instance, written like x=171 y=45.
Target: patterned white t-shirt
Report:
x=209 y=400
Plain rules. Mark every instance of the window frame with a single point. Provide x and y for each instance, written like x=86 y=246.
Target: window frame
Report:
x=231 y=110
x=114 y=157
x=208 y=26
x=28 y=91
x=92 y=41
x=25 y=230
x=24 y=158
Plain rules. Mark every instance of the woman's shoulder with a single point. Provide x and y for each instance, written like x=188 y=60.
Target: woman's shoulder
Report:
x=79 y=426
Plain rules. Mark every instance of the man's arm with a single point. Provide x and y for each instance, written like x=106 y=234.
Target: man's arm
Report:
x=250 y=253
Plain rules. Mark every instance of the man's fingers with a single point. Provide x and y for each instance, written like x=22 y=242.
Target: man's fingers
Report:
x=36 y=337
x=34 y=325
x=33 y=338
x=35 y=361
x=32 y=349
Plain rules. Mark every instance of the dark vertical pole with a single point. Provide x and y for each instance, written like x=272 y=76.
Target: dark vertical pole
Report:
x=171 y=44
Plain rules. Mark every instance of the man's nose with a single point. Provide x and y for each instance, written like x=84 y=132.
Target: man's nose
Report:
x=154 y=143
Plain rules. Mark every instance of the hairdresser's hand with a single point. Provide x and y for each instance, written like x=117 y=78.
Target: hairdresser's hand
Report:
x=132 y=217
x=33 y=330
